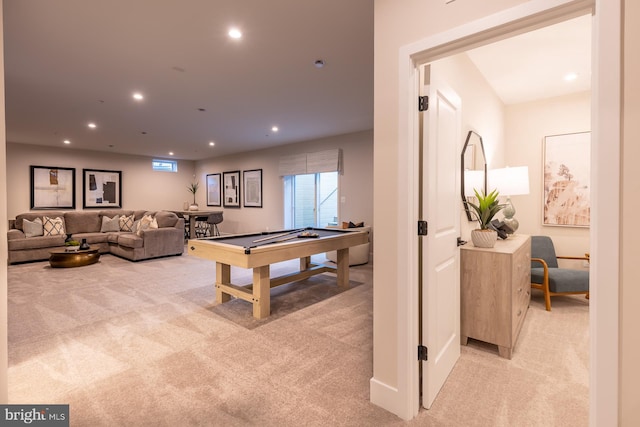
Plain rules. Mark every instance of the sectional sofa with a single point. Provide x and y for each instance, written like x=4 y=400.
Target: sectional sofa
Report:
x=134 y=235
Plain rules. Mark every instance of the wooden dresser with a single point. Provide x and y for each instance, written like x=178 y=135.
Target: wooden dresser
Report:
x=495 y=289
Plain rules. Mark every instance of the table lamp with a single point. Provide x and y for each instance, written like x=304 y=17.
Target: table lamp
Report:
x=510 y=181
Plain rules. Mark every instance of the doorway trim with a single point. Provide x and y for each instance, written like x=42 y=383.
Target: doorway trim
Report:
x=604 y=234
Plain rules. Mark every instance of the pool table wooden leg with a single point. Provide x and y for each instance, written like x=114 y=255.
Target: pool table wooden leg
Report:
x=261 y=292
x=342 y=261
x=305 y=263
x=223 y=276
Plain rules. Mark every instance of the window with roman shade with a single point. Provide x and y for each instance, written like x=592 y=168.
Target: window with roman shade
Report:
x=318 y=162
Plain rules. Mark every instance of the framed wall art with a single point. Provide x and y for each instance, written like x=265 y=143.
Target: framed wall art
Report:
x=101 y=189
x=53 y=187
x=231 y=189
x=252 y=183
x=213 y=189
x=567 y=174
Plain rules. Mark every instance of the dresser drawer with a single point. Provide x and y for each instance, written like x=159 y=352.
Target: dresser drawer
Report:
x=495 y=290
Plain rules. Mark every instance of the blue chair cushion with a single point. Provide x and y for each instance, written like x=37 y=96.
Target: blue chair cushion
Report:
x=563 y=280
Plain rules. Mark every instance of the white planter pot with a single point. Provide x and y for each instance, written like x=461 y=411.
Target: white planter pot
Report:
x=484 y=238
x=193 y=207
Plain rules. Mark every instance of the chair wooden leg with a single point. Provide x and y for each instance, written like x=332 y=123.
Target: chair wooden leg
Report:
x=547 y=297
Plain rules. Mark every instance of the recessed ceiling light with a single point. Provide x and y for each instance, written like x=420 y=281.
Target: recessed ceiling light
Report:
x=211 y=143
x=171 y=153
x=275 y=129
x=319 y=63
x=92 y=125
x=235 y=33
x=138 y=96
x=570 y=77
x=66 y=141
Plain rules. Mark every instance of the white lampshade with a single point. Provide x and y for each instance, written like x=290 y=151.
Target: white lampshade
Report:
x=473 y=179
x=509 y=181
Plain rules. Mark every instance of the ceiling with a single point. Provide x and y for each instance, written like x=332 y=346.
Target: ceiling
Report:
x=532 y=66
x=72 y=62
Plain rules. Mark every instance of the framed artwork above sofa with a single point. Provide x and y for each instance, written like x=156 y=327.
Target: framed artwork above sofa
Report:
x=53 y=187
x=101 y=189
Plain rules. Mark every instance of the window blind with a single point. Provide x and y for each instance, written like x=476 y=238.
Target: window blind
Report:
x=295 y=164
x=320 y=161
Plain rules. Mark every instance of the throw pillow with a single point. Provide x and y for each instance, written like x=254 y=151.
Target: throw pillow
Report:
x=32 y=228
x=110 y=224
x=53 y=226
x=126 y=223
x=147 y=222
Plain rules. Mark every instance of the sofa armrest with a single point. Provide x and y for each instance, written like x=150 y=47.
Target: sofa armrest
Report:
x=15 y=234
x=180 y=224
x=163 y=241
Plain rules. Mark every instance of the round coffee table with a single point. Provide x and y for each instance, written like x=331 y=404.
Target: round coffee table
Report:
x=61 y=258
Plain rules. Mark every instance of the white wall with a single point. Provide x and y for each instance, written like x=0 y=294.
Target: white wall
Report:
x=482 y=112
x=4 y=397
x=526 y=126
x=142 y=188
x=355 y=183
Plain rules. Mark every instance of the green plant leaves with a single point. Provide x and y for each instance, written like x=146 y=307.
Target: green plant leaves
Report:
x=486 y=208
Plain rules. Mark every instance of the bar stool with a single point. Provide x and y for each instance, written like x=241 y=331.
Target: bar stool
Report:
x=213 y=221
x=202 y=227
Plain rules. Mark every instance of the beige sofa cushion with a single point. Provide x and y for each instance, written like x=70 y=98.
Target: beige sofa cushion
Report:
x=126 y=222
x=166 y=219
x=130 y=240
x=31 y=216
x=145 y=223
x=82 y=222
x=33 y=228
x=110 y=224
x=53 y=226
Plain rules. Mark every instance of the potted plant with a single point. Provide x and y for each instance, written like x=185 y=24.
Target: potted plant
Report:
x=193 y=188
x=488 y=206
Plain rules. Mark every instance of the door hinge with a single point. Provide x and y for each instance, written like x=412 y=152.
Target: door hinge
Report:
x=423 y=353
x=423 y=228
x=423 y=103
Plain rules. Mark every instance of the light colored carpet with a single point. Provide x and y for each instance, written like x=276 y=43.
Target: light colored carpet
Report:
x=137 y=344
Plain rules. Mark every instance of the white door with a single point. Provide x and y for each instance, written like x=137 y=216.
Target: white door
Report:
x=440 y=206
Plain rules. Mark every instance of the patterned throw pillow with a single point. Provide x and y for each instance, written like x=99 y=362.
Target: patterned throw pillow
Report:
x=126 y=223
x=110 y=224
x=147 y=222
x=32 y=228
x=53 y=226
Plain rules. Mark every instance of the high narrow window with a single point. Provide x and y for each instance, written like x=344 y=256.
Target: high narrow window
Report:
x=164 y=165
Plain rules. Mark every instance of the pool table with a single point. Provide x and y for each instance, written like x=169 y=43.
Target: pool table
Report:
x=259 y=250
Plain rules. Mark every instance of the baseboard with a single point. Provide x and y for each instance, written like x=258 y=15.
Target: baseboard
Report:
x=388 y=398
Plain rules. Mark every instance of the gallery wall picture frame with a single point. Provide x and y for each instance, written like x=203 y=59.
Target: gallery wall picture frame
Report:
x=213 y=189
x=566 y=180
x=231 y=189
x=252 y=183
x=101 y=189
x=53 y=187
